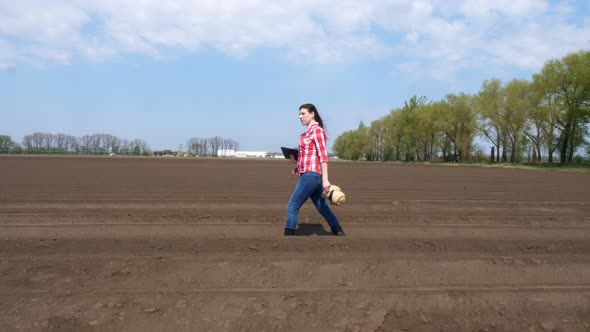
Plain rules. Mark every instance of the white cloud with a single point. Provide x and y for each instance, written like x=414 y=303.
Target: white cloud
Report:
x=444 y=36
x=478 y=35
x=507 y=8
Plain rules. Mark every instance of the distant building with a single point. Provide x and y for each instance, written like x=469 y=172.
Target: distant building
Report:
x=251 y=154
x=245 y=154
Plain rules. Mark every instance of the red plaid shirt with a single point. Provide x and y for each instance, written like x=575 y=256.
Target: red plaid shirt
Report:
x=312 y=150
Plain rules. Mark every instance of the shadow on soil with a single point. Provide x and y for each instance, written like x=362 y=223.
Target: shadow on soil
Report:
x=312 y=229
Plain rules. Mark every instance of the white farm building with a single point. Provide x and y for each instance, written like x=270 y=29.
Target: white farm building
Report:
x=243 y=154
x=251 y=154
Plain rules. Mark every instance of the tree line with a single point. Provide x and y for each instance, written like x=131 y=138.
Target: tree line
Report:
x=95 y=144
x=542 y=119
x=211 y=146
x=102 y=144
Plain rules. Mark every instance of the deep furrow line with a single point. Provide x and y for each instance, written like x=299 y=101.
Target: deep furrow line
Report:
x=270 y=231
x=411 y=289
x=266 y=224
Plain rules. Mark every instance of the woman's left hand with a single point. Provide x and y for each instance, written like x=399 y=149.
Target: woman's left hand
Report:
x=326 y=184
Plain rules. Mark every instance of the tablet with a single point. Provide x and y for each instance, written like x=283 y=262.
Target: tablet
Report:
x=288 y=152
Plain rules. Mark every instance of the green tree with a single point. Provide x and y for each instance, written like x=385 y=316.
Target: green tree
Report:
x=377 y=132
x=441 y=143
x=7 y=145
x=459 y=125
x=490 y=104
x=534 y=125
x=392 y=135
x=429 y=131
x=408 y=122
x=518 y=103
x=355 y=144
x=567 y=83
x=364 y=141
x=347 y=145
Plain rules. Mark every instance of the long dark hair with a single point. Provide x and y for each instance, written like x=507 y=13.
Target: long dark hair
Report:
x=316 y=114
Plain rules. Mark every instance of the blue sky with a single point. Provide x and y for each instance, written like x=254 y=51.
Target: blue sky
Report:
x=166 y=71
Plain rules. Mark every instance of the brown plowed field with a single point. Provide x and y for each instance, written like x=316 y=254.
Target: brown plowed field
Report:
x=124 y=244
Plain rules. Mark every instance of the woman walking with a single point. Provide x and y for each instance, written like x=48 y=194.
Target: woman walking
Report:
x=312 y=167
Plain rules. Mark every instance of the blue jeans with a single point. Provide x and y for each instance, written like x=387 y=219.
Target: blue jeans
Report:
x=309 y=186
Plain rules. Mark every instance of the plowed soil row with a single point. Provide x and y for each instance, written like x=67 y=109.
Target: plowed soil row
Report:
x=124 y=244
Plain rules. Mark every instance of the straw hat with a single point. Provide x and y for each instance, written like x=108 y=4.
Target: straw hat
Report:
x=335 y=196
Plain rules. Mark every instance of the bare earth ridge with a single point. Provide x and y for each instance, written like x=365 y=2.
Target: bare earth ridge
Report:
x=142 y=244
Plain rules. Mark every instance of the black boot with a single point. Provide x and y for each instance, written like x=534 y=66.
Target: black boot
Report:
x=338 y=231
x=289 y=231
